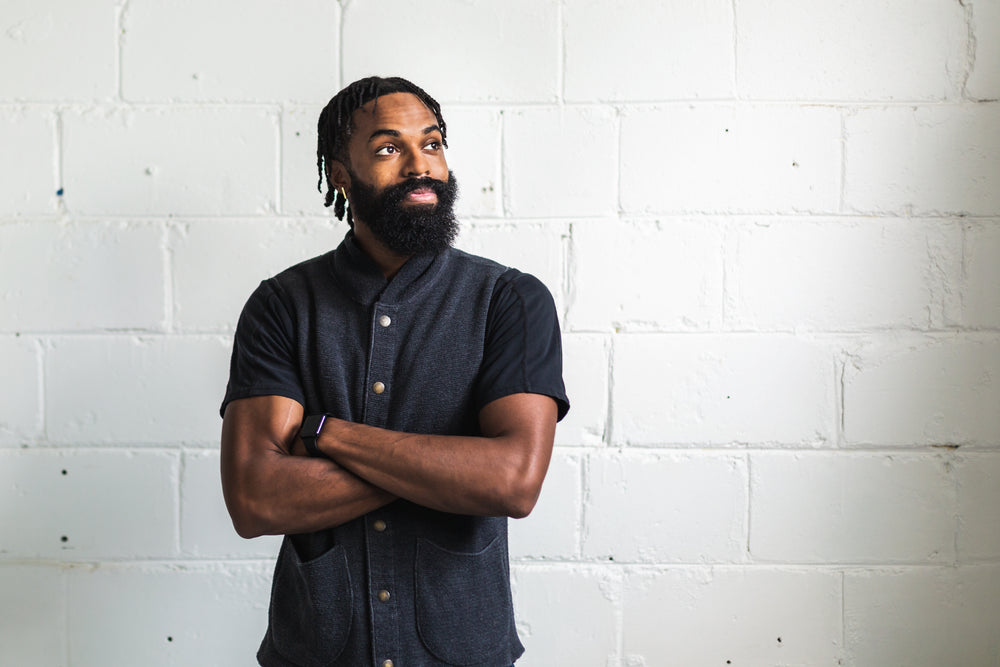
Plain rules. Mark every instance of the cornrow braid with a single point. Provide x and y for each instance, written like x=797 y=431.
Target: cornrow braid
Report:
x=334 y=128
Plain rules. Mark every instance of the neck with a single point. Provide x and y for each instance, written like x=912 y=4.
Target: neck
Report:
x=387 y=261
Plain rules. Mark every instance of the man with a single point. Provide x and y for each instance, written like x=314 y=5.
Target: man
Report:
x=389 y=405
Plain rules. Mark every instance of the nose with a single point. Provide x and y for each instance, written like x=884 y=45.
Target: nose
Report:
x=417 y=165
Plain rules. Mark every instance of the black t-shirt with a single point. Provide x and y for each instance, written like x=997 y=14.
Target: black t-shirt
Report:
x=521 y=350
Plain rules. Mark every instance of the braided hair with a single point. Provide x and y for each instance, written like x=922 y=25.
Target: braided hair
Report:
x=334 y=127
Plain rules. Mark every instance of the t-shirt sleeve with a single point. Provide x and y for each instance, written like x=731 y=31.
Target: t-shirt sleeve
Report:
x=263 y=361
x=523 y=350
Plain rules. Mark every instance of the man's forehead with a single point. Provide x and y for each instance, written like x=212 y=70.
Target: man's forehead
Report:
x=394 y=108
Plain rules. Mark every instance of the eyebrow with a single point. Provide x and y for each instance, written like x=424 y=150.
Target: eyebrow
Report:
x=395 y=133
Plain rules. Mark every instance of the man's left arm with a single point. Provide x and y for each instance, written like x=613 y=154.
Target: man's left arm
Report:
x=498 y=474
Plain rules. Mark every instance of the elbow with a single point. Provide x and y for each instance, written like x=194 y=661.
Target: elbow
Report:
x=247 y=526
x=248 y=519
x=521 y=496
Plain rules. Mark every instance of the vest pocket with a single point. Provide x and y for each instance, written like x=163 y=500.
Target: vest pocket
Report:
x=463 y=601
x=311 y=606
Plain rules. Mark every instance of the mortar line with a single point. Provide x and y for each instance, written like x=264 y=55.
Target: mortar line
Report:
x=504 y=184
x=120 y=39
x=59 y=163
x=561 y=60
x=279 y=202
x=736 y=68
x=749 y=554
x=167 y=257
x=179 y=498
x=843 y=163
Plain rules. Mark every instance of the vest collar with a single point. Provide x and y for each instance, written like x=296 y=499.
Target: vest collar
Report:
x=363 y=281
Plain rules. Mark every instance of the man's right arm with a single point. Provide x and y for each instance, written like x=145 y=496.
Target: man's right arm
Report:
x=271 y=491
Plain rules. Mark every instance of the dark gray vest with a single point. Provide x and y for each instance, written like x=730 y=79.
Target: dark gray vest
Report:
x=404 y=583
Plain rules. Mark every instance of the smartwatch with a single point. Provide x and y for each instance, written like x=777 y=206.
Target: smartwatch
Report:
x=311 y=427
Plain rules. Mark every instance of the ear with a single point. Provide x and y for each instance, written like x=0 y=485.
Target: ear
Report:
x=338 y=175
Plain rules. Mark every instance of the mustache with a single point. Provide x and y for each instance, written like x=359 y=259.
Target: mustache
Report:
x=396 y=193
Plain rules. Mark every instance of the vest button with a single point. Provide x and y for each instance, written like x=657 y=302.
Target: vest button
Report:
x=378 y=387
x=387 y=663
x=379 y=525
x=385 y=320
x=383 y=595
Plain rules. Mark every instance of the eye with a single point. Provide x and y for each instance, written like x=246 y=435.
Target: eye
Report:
x=386 y=150
x=434 y=145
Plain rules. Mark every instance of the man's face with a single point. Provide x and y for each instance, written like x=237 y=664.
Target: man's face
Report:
x=400 y=186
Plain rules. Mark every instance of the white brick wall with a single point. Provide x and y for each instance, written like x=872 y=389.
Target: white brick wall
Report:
x=771 y=229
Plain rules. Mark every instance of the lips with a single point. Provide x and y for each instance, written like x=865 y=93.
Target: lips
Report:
x=422 y=196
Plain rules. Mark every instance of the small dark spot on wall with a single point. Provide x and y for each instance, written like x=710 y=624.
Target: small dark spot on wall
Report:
x=170 y=639
x=297 y=134
x=64 y=539
x=795 y=164
x=611 y=557
x=779 y=640
x=59 y=192
x=64 y=471
x=727 y=129
x=729 y=662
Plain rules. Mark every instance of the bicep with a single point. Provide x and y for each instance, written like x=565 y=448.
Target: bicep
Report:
x=253 y=428
x=525 y=417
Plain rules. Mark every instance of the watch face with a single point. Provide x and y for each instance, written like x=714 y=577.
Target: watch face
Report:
x=312 y=426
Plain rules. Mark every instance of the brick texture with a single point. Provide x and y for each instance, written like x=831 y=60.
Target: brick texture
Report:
x=771 y=230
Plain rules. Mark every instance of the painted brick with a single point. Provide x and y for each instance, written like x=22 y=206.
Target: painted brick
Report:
x=931 y=159
x=645 y=275
x=28 y=161
x=32 y=615
x=738 y=616
x=552 y=530
x=984 y=80
x=699 y=513
x=135 y=390
x=474 y=155
x=981 y=289
x=866 y=508
x=923 y=617
x=840 y=275
x=534 y=248
x=206 y=529
x=175 y=615
x=268 y=52
x=208 y=293
x=677 y=389
x=566 y=617
x=81 y=276
x=850 y=50
x=925 y=393
x=20 y=393
x=298 y=162
x=586 y=373
x=978 y=478
x=173 y=161
x=560 y=162
x=480 y=51
x=648 y=50
x=51 y=498
x=70 y=46
x=724 y=158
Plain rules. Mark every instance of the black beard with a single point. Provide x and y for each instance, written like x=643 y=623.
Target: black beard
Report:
x=408 y=229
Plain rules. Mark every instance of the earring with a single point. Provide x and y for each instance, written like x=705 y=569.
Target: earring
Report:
x=342 y=192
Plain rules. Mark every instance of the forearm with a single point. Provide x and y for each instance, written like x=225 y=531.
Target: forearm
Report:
x=270 y=490
x=283 y=494
x=497 y=475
